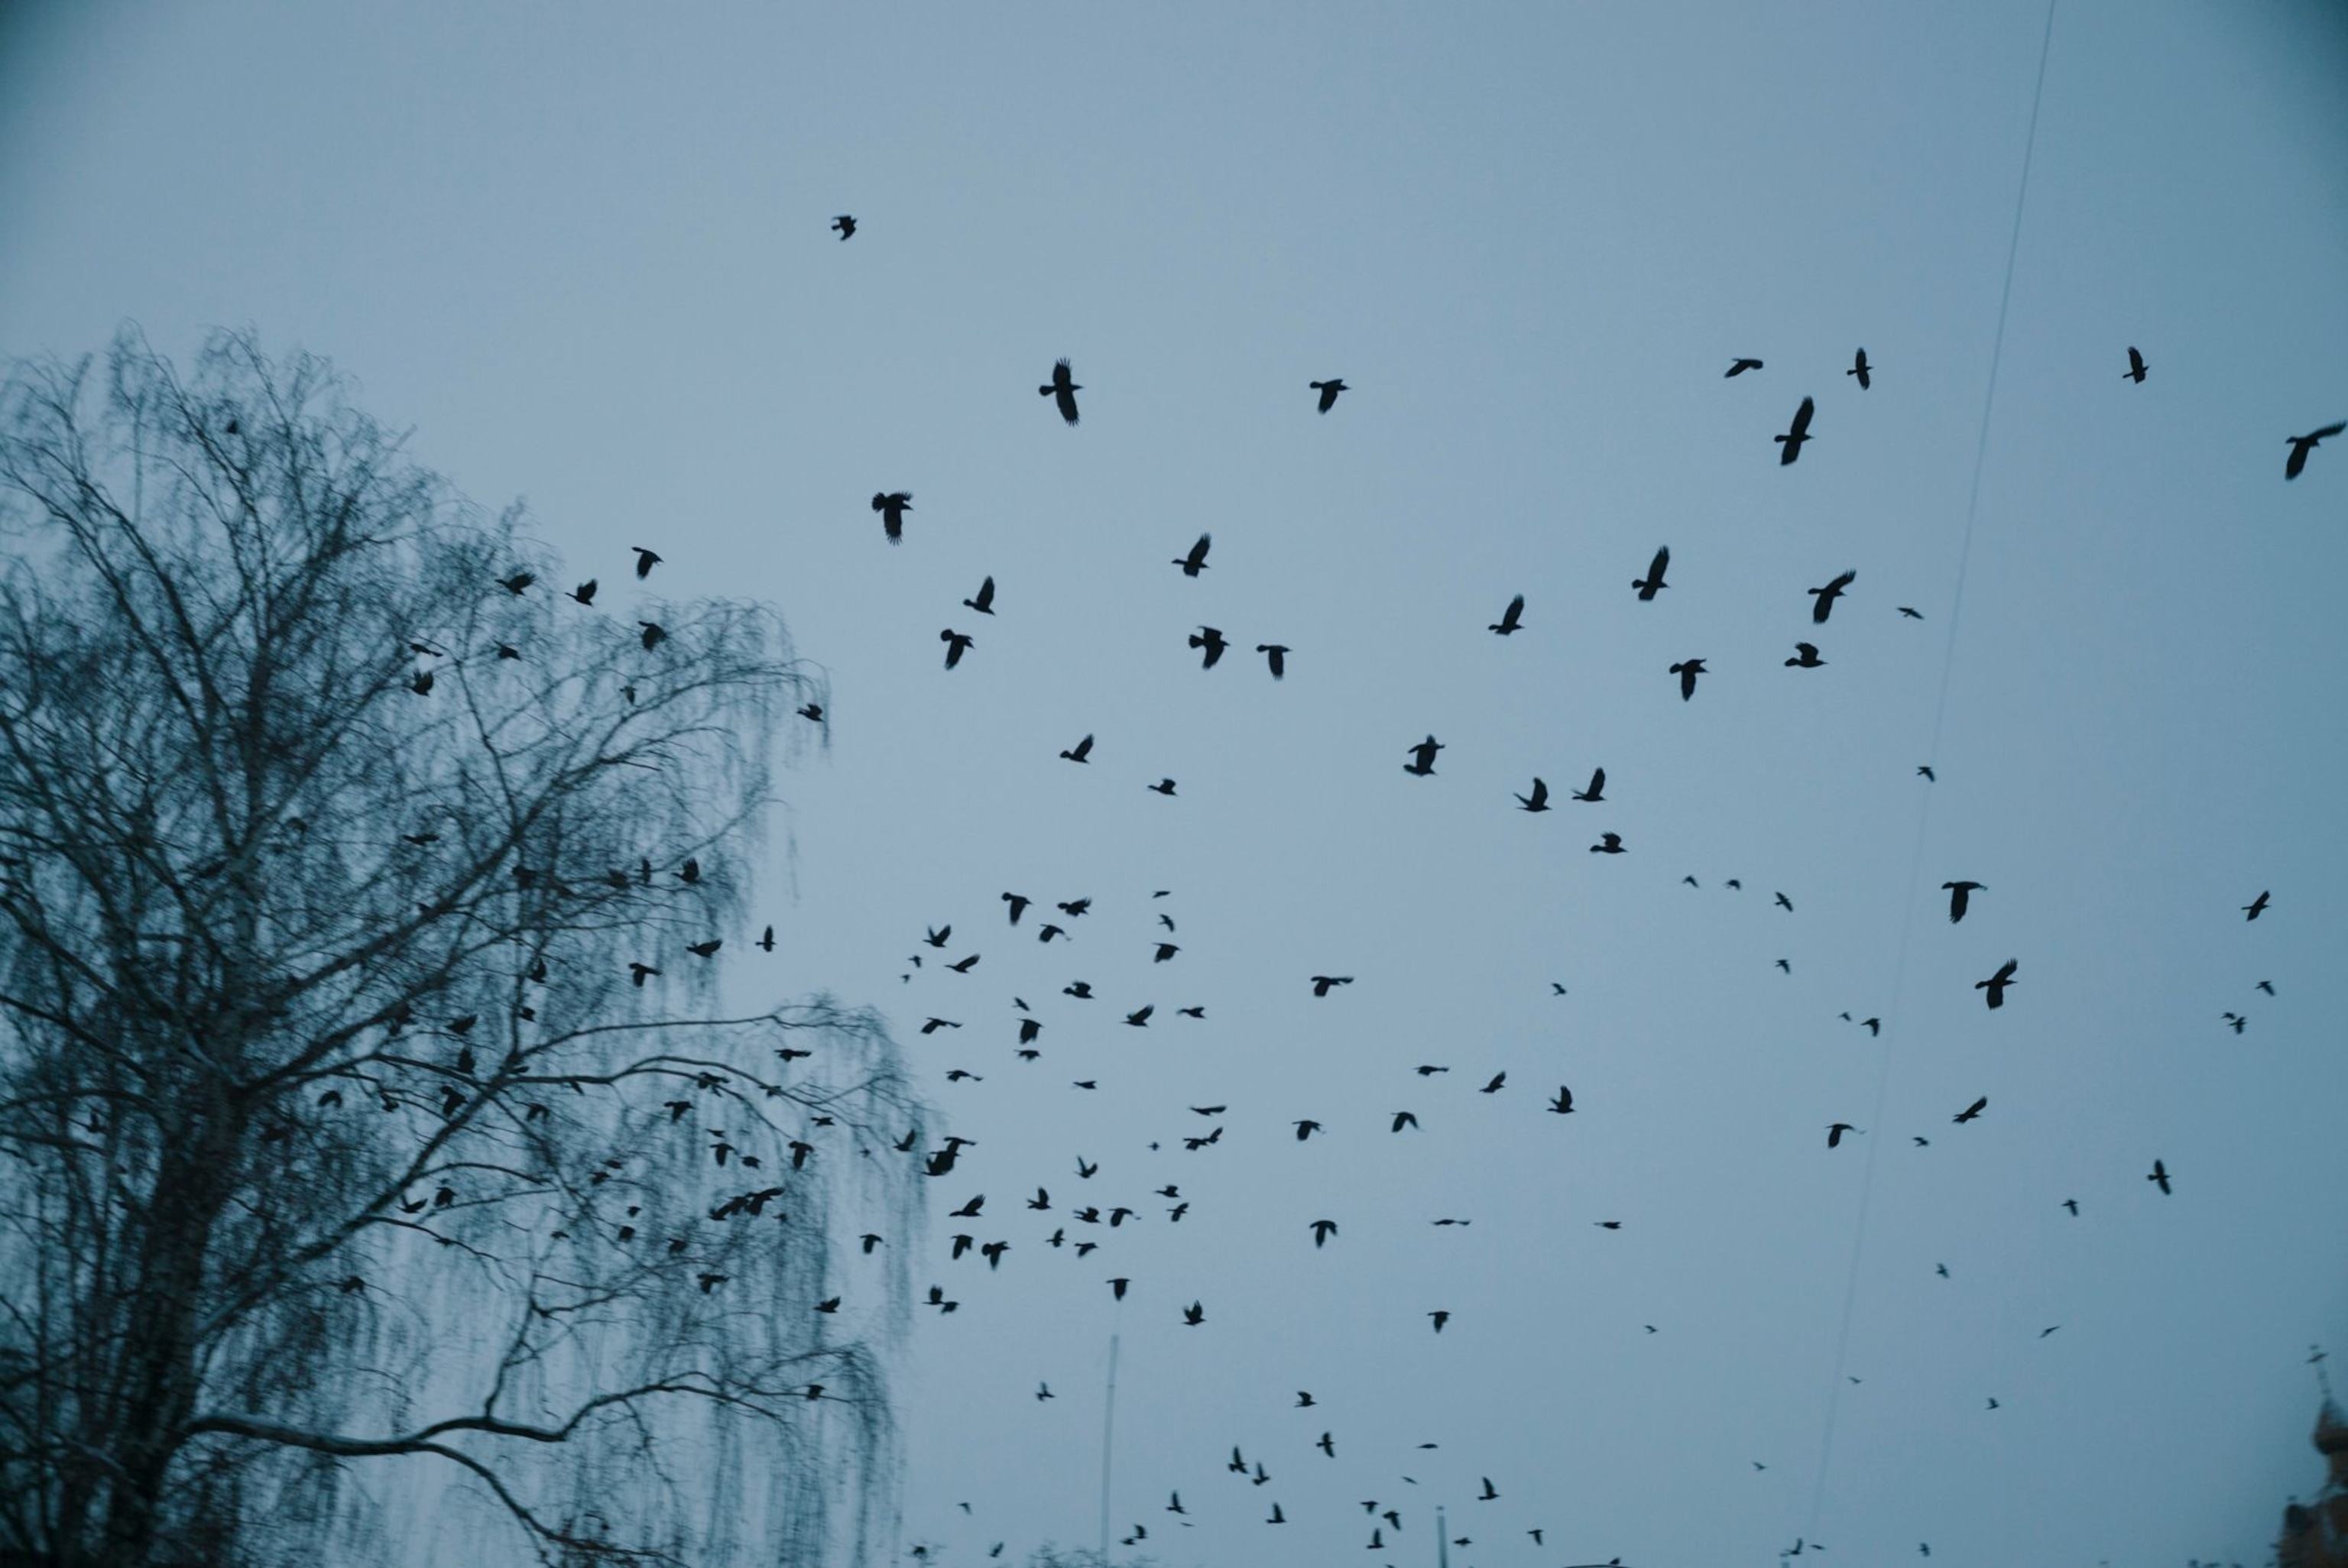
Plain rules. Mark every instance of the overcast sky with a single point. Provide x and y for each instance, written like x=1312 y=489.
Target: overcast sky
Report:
x=583 y=251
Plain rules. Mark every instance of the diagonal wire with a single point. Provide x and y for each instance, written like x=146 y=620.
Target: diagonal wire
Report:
x=1924 y=815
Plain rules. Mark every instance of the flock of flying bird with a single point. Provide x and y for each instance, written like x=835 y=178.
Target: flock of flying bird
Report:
x=1085 y=1227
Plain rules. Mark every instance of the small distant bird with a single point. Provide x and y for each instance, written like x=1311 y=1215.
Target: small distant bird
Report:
x=2267 y=986
x=1806 y=657
x=812 y=711
x=966 y=965
x=653 y=634
x=421 y=682
x=1993 y=1404
x=516 y=583
x=1322 y=1231
x=1827 y=595
x=1044 y=1391
x=1322 y=983
x=1511 y=618
x=846 y=225
x=2255 y=908
x=1081 y=751
x=1499 y=1081
x=2043 y=1332
x=1537 y=800
x=1942 y=1269
x=1787 y=965
x=645 y=561
x=1970 y=1112
x=1860 y=368
x=1488 y=1494
x=708 y=949
x=1996 y=985
x=2071 y=1204
x=2159 y=1176
x=1329 y=391
x=1195 y=562
x=892 y=505
x=1784 y=902
x=956 y=645
x=1062 y=389
x=1687 y=672
x=1742 y=365
x=585 y=592
x=1796 y=433
x=1961 y=897
x=1194 y=1313
x=1924 y=771
x=2301 y=446
x=2135 y=371
x=1441 y=1317
x=985 y=602
x=1140 y=1019
x=1563 y=1103
x=1835 y=1130
x=1607 y=844
x=1277 y=655
x=1597 y=790
x=1163 y=786
x=1165 y=951
x=1211 y=641
x=1654 y=583
x=1404 y=1119
x=1422 y=761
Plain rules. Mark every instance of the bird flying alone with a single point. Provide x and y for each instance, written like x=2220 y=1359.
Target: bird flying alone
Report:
x=1827 y=596
x=1597 y=790
x=1740 y=366
x=1961 y=897
x=1422 y=761
x=1195 y=562
x=846 y=225
x=1277 y=654
x=1996 y=985
x=2255 y=908
x=1329 y=390
x=985 y=602
x=1861 y=369
x=1654 y=583
x=1062 y=389
x=1510 y=619
x=2301 y=446
x=1806 y=657
x=1209 y=639
x=956 y=645
x=2135 y=371
x=1537 y=801
x=1687 y=672
x=892 y=505
x=1796 y=433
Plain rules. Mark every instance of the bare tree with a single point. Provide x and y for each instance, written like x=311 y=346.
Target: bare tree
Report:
x=367 y=1124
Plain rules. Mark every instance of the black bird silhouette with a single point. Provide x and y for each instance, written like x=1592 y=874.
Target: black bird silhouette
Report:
x=1140 y=1019
x=1207 y=637
x=1861 y=369
x=1806 y=657
x=1740 y=366
x=1924 y=771
x=1499 y=1081
x=765 y=943
x=1422 y=761
x=985 y=602
x=1597 y=790
x=516 y=583
x=1654 y=583
x=2237 y=1021
x=1910 y=612
x=2267 y=986
x=585 y=592
x=1796 y=433
x=1970 y=1112
x=1441 y=1317
x=937 y=936
x=2255 y=908
x=2301 y=446
x=1278 y=656
x=1081 y=751
x=421 y=682
x=2135 y=371
x=966 y=965
x=1019 y=904
x=1329 y=391
x=1488 y=1494
x=1687 y=672
x=1996 y=985
x=1784 y=902
x=1827 y=595
x=1165 y=951
x=1537 y=800
x=1063 y=389
x=1835 y=1131
x=892 y=505
x=813 y=712
x=1196 y=561
x=1322 y=983
x=645 y=561
x=846 y=225
x=1403 y=1119
x=1511 y=618
x=956 y=644
x=654 y=635
x=1607 y=844
x=1163 y=786
x=1563 y=1103
x=1194 y=1315
x=1322 y=1231
x=2159 y=1176
x=1961 y=897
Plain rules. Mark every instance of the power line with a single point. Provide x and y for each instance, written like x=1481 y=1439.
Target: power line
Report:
x=1924 y=814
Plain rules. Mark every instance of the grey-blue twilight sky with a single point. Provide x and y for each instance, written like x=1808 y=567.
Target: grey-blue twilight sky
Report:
x=583 y=251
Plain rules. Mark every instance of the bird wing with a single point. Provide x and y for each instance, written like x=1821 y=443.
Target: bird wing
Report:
x=2325 y=433
x=1802 y=417
x=1655 y=567
x=1841 y=583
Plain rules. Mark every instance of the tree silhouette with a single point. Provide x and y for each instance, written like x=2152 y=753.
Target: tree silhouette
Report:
x=346 y=1158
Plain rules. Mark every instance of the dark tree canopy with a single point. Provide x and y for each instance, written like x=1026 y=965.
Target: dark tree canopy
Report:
x=348 y=1168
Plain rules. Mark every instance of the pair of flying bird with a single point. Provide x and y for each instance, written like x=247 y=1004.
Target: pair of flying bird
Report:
x=1539 y=799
